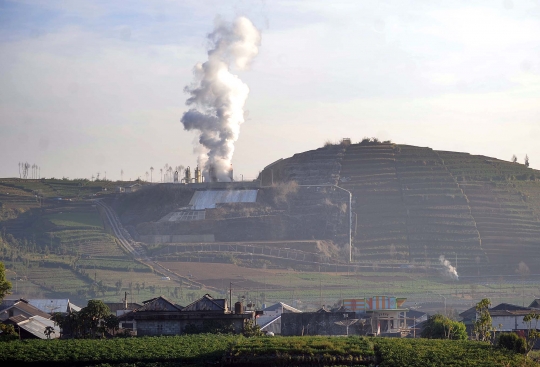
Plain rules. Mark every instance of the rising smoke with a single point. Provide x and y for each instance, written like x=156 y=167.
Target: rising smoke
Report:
x=218 y=96
x=447 y=269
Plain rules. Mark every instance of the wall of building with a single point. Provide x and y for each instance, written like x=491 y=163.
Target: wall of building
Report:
x=161 y=327
x=177 y=327
x=509 y=323
x=314 y=323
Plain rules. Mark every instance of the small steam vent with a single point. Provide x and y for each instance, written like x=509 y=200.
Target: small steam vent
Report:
x=187 y=175
x=231 y=174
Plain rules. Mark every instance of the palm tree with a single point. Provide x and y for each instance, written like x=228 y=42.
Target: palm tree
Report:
x=48 y=331
x=151 y=174
x=161 y=171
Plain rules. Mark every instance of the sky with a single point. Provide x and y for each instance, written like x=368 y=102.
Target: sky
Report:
x=90 y=87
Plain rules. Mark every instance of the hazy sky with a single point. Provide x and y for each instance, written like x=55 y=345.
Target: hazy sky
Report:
x=95 y=86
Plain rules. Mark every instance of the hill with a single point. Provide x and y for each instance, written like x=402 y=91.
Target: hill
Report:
x=414 y=204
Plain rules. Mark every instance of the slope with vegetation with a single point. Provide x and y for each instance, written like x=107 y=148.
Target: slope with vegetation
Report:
x=413 y=204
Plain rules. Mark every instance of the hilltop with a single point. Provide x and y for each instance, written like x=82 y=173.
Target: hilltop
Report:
x=414 y=204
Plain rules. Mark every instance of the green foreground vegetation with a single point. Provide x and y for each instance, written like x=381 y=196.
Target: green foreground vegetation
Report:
x=206 y=349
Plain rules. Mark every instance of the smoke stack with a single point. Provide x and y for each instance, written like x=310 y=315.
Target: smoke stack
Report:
x=187 y=175
x=198 y=175
x=175 y=176
x=231 y=174
x=212 y=173
x=218 y=96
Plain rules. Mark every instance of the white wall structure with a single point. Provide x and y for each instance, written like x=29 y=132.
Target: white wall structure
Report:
x=210 y=198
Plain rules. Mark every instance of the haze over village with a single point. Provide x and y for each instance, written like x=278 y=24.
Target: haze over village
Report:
x=246 y=181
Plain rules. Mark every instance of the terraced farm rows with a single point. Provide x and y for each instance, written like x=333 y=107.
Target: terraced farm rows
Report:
x=439 y=220
x=509 y=227
x=369 y=173
x=413 y=204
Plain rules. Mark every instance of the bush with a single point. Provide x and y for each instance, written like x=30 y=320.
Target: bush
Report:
x=441 y=327
x=513 y=342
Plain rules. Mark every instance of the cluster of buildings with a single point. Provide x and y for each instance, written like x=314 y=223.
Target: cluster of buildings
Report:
x=374 y=316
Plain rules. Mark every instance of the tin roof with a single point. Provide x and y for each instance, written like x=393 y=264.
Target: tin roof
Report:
x=27 y=308
x=52 y=305
x=36 y=325
x=281 y=306
x=209 y=198
x=206 y=303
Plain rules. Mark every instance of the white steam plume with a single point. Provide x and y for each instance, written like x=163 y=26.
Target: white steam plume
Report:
x=447 y=269
x=218 y=96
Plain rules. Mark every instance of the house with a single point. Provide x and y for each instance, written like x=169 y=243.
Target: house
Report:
x=270 y=320
x=120 y=308
x=22 y=307
x=160 y=316
x=508 y=317
x=386 y=314
x=132 y=188
x=316 y=323
x=33 y=327
x=535 y=303
x=504 y=317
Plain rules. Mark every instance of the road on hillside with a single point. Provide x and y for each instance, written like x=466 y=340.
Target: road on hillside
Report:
x=138 y=252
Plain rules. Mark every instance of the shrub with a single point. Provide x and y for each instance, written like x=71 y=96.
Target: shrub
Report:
x=513 y=342
x=441 y=327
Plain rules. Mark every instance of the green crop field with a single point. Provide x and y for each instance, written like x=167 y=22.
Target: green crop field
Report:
x=205 y=350
x=76 y=219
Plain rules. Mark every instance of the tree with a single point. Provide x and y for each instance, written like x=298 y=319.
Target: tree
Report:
x=5 y=285
x=483 y=324
x=151 y=174
x=252 y=329
x=441 y=327
x=91 y=315
x=8 y=332
x=532 y=332
x=513 y=342
x=526 y=160
x=111 y=323
x=514 y=159
x=48 y=331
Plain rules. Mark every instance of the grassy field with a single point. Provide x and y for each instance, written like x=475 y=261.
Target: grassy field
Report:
x=76 y=219
x=205 y=350
x=311 y=290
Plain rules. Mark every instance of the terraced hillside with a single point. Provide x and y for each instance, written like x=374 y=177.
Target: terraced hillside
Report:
x=499 y=195
x=413 y=204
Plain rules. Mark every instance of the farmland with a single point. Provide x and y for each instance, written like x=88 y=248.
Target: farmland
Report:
x=409 y=206
x=201 y=350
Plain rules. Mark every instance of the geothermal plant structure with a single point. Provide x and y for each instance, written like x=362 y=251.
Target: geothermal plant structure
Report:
x=198 y=177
